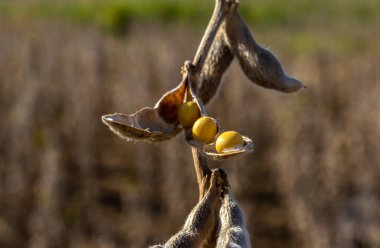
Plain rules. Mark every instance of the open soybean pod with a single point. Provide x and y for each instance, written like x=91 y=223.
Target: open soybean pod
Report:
x=210 y=151
x=218 y=60
x=144 y=125
x=258 y=63
x=150 y=124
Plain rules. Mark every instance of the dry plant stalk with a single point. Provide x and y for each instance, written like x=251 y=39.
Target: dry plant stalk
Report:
x=226 y=36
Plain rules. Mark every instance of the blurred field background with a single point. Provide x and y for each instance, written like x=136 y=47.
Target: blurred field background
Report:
x=67 y=181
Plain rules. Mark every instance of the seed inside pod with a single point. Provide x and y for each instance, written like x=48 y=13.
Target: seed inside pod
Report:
x=188 y=113
x=228 y=141
x=204 y=129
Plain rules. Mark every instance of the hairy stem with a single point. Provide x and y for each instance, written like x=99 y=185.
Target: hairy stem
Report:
x=201 y=170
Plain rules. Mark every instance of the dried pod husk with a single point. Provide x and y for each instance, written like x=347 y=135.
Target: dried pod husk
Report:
x=258 y=63
x=195 y=98
x=210 y=151
x=150 y=124
x=169 y=103
x=218 y=60
x=144 y=125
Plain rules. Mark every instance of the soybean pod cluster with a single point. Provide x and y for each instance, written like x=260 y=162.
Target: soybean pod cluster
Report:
x=206 y=130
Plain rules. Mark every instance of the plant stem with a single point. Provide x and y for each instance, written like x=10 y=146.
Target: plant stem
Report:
x=220 y=11
x=201 y=169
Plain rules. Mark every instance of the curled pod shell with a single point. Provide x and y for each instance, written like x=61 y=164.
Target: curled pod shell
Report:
x=150 y=124
x=218 y=60
x=257 y=63
x=210 y=151
x=144 y=125
x=170 y=102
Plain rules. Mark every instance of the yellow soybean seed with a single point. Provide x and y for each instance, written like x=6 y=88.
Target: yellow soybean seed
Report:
x=228 y=140
x=204 y=129
x=188 y=113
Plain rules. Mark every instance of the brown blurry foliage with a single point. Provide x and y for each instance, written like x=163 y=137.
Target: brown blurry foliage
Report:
x=66 y=181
